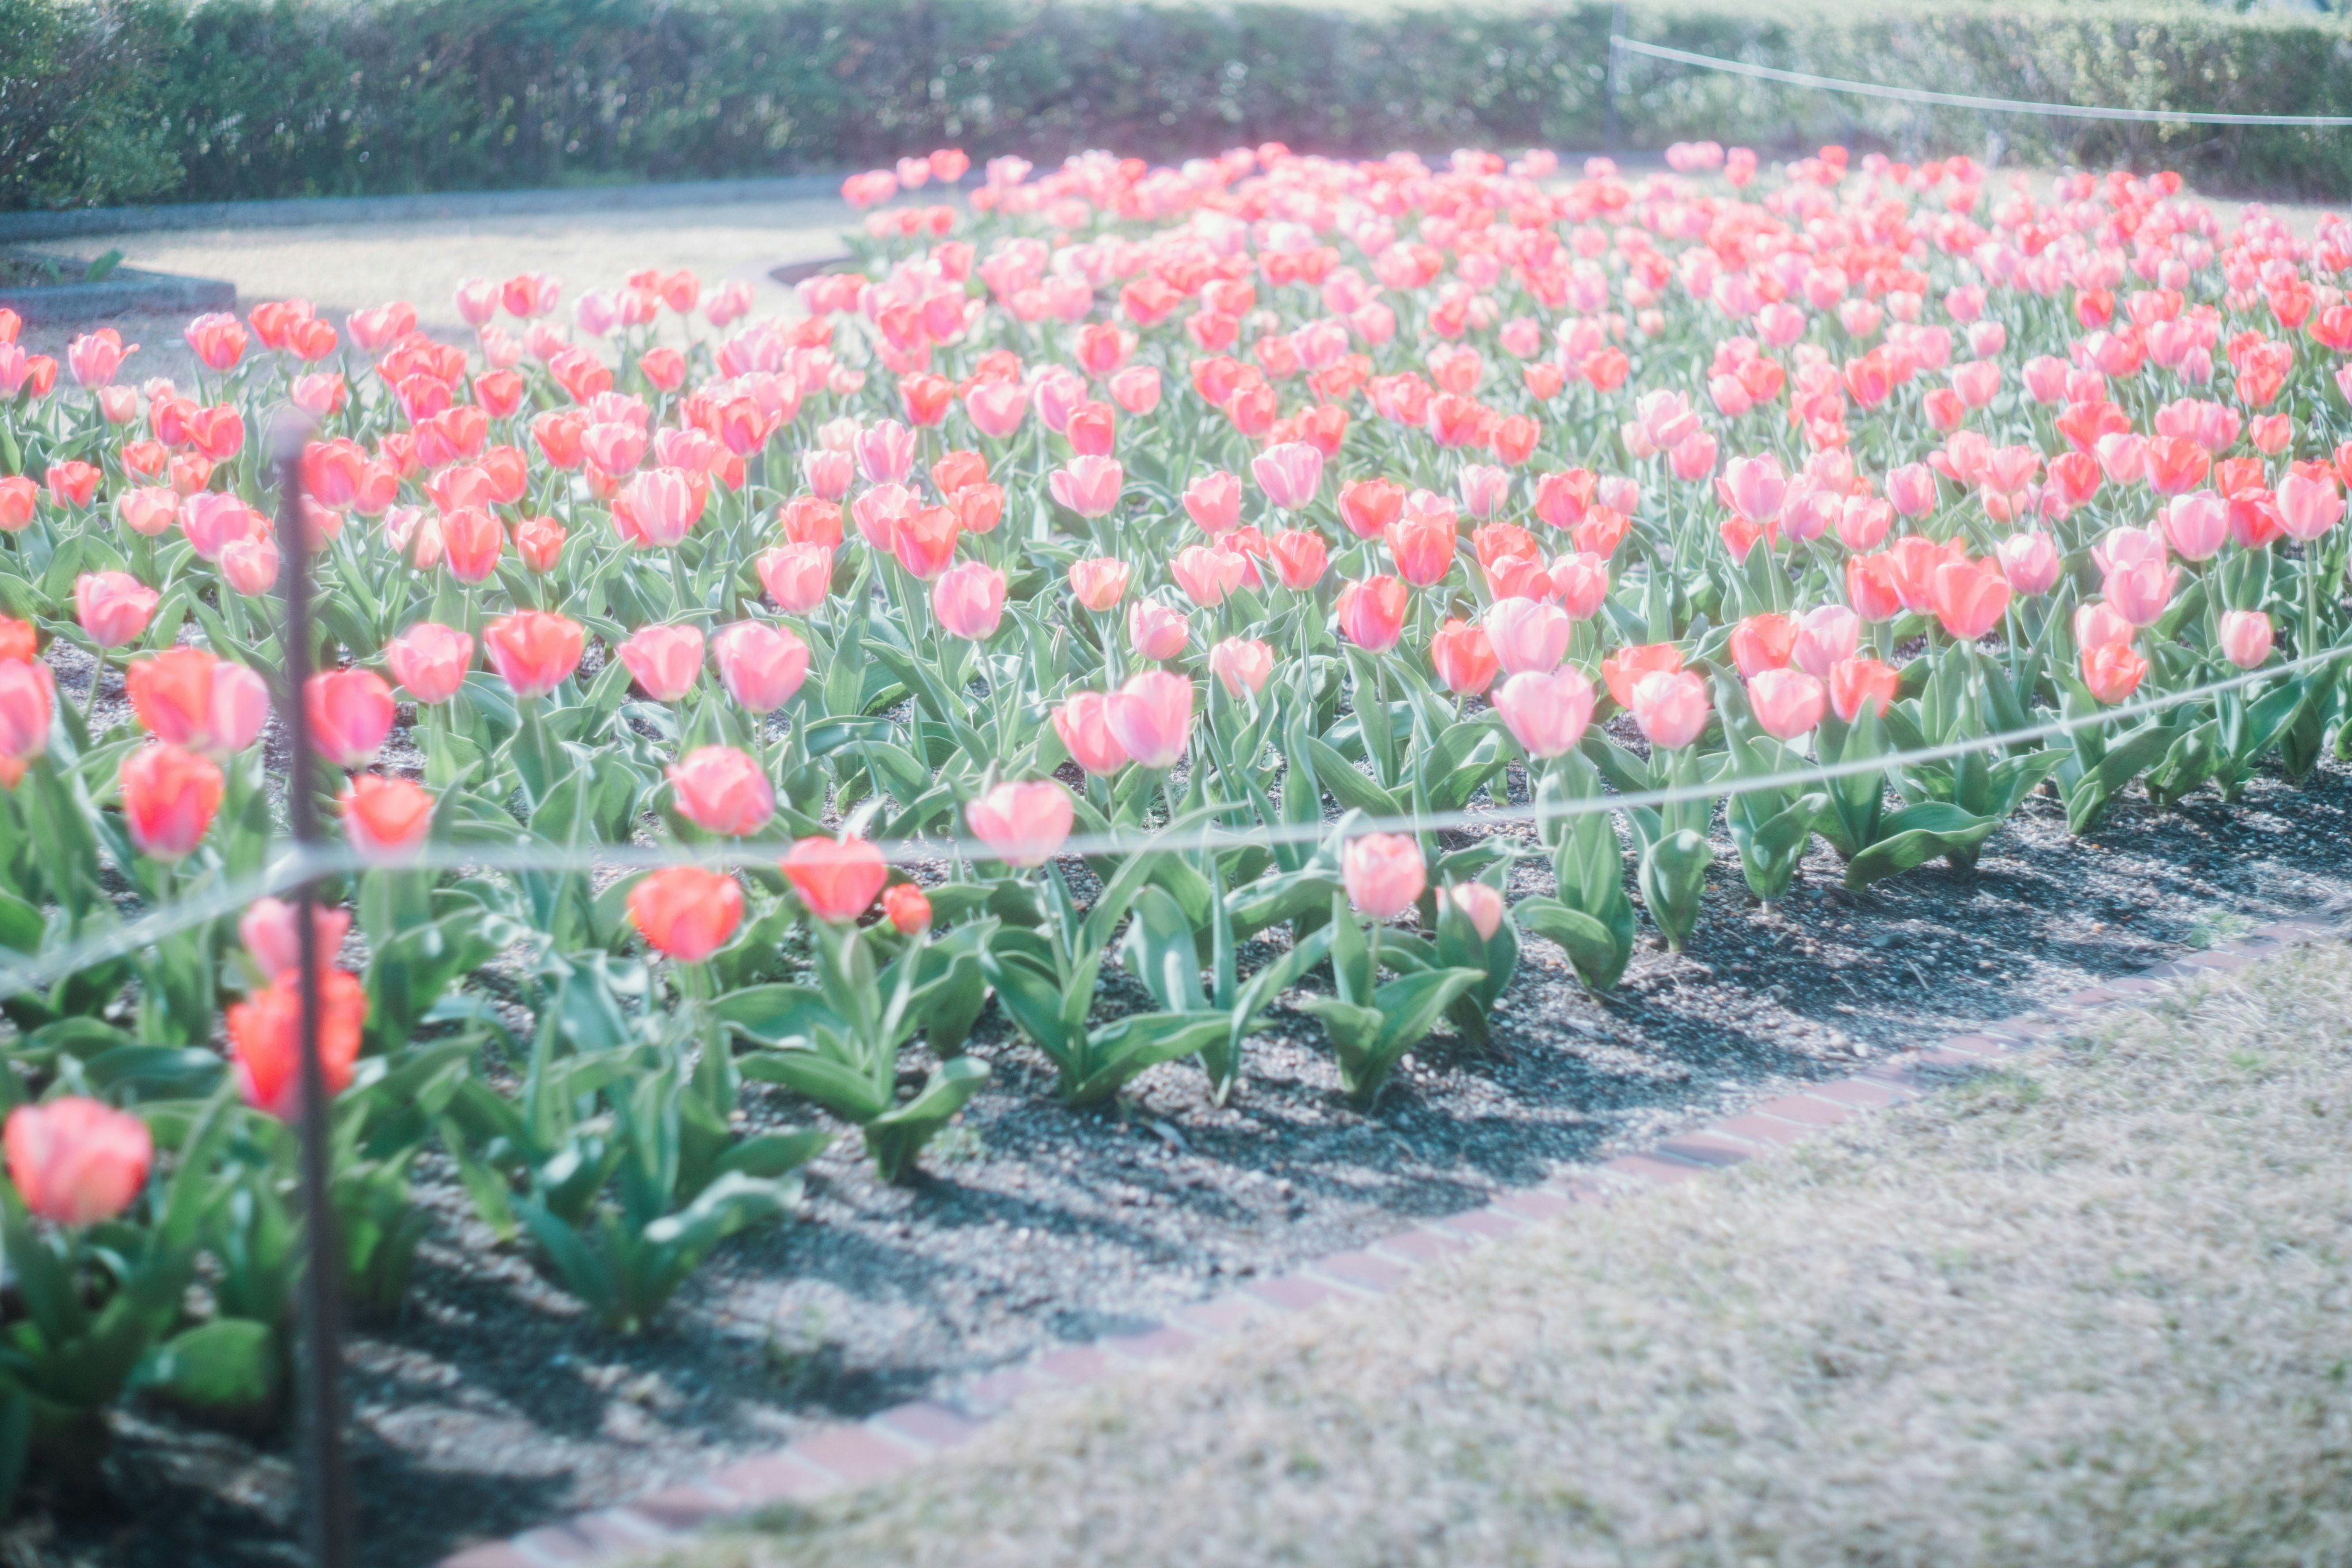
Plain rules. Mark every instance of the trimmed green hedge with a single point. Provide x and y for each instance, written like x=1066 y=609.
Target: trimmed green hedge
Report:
x=272 y=98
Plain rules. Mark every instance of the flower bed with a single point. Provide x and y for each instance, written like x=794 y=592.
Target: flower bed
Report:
x=1137 y=613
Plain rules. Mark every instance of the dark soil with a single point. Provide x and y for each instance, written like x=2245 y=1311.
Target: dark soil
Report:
x=493 y=1405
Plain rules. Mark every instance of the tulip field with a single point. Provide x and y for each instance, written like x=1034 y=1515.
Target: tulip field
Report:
x=1126 y=609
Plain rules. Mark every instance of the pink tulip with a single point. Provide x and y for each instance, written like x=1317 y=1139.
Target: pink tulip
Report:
x=2138 y=591
x=969 y=600
x=113 y=607
x=2097 y=623
x=996 y=409
x=796 y=576
x=1088 y=486
x=665 y=661
x=2029 y=563
x=885 y=454
x=1787 y=702
x=1486 y=489
x=1083 y=724
x=1671 y=709
x=1206 y=574
x=1384 y=874
x=214 y=519
x=2246 y=639
x=1581 y=583
x=74 y=1161
x=1155 y=631
x=1826 y=635
x=723 y=790
x=1754 y=488
x=2197 y=524
x=430 y=661
x=1482 y=904
x=250 y=565
x=2308 y=505
x=1215 y=502
x=828 y=473
x=1022 y=823
x=659 y=508
x=759 y=665
x=1243 y=664
x=2123 y=456
x=1289 y=474
x=1152 y=717
x=1527 y=635
x=1098 y=581
x=273 y=935
x=1546 y=713
x=1912 y=489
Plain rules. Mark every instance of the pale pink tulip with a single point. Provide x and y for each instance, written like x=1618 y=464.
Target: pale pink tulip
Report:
x=1527 y=635
x=1384 y=873
x=1670 y=709
x=1022 y=823
x=1152 y=717
x=1787 y=702
x=969 y=600
x=1546 y=713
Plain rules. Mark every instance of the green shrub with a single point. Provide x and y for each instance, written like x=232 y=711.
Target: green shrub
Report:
x=268 y=98
x=79 y=121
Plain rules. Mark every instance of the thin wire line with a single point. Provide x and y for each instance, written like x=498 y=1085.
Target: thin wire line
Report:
x=1967 y=100
x=296 y=865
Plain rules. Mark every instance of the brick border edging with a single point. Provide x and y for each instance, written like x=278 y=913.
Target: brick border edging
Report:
x=845 y=1455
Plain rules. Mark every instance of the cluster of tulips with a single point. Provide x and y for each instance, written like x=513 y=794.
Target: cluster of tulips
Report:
x=1236 y=531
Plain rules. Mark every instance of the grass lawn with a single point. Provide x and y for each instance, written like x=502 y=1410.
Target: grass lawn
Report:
x=2090 y=1311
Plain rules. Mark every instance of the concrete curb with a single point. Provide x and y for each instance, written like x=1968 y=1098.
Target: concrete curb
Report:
x=844 y=1456
x=124 y=291
x=306 y=212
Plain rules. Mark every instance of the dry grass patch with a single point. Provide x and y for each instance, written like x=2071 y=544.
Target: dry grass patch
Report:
x=2089 y=1311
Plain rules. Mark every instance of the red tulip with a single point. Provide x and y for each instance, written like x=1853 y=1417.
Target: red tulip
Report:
x=168 y=797
x=1463 y=657
x=472 y=541
x=1368 y=506
x=265 y=1034
x=2112 y=671
x=723 y=790
x=539 y=542
x=75 y=1161
x=385 y=819
x=188 y=697
x=430 y=661
x=906 y=909
x=1856 y=681
x=1969 y=597
x=350 y=712
x=29 y=701
x=837 y=879
x=686 y=913
x=1624 y=671
x=1384 y=874
x=1300 y=557
x=533 y=651
x=1762 y=642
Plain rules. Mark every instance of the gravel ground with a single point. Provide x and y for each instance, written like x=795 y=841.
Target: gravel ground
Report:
x=492 y=1405
x=2085 y=1311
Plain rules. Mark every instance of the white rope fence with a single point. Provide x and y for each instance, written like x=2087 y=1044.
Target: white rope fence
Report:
x=296 y=866
x=1618 y=41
